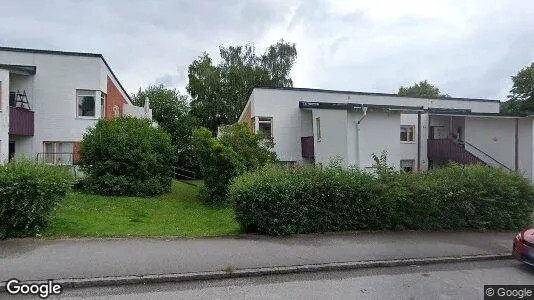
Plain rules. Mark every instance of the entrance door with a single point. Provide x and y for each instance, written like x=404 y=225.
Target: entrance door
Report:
x=11 y=152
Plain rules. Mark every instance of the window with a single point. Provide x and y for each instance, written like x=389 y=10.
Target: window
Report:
x=407 y=165
x=116 y=111
x=86 y=103
x=58 y=153
x=407 y=133
x=318 y=126
x=102 y=105
x=265 y=127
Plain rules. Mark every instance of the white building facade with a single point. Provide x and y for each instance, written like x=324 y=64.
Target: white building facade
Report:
x=312 y=126
x=48 y=99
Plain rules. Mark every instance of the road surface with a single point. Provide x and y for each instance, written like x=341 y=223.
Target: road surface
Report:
x=445 y=281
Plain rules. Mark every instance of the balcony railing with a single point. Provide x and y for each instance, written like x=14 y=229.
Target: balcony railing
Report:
x=21 y=121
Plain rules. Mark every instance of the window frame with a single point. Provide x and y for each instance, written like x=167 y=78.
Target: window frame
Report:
x=55 y=161
x=270 y=120
x=318 y=128
x=95 y=104
x=412 y=161
x=408 y=141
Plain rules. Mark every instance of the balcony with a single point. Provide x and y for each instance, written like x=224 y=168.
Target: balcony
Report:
x=21 y=121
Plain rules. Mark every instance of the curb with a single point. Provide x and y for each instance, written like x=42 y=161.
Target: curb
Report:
x=210 y=275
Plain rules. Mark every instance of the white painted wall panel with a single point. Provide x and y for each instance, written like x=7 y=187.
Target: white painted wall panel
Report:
x=4 y=116
x=525 y=148
x=333 y=135
x=380 y=131
x=494 y=136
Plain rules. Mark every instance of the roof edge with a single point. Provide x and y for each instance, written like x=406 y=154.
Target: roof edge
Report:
x=69 y=53
x=371 y=94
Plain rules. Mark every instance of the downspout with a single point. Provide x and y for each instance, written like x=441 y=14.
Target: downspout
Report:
x=517 y=145
x=418 y=141
x=364 y=110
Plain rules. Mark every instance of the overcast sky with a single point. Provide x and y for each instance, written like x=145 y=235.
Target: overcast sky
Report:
x=467 y=48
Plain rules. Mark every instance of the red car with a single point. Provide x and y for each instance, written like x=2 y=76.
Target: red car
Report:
x=524 y=246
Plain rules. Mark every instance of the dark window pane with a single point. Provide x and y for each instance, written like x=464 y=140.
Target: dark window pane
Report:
x=86 y=106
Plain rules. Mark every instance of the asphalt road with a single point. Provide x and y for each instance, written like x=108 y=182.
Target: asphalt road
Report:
x=446 y=281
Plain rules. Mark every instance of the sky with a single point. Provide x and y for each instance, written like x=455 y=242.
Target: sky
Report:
x=467 y=48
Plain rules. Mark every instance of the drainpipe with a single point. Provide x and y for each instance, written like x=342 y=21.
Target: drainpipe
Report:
x=364 y=111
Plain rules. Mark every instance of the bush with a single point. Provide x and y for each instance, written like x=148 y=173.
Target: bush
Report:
x=303 y=199
x=29 y=191
x=126 y=156
x=236 y=151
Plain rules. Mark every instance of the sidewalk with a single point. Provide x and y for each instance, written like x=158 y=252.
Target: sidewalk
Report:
x=36 y=259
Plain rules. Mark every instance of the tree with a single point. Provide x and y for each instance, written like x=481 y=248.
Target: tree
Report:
x=219 y=92
x=237 y=150
x=421 y=89
x=171 y=111
x=126 y=156
x=521 y=97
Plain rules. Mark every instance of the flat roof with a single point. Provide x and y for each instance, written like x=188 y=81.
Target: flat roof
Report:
x=68 y=53
x=469 y=113
x=371 y=94
x=332 y=105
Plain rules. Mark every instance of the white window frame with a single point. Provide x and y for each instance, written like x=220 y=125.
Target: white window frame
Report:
x=318 y=128
x=85 y=93
x=265 y=120
x=409 y=129
x=56 y=155
x=412 y=161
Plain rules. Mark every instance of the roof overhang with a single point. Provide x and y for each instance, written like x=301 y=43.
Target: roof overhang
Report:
x=469 y=113
x=357 y=106
x=19 y=69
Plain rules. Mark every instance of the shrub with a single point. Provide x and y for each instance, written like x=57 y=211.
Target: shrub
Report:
x=303 y=199
x=29 y=191
x=126 y=156
x=236 y=151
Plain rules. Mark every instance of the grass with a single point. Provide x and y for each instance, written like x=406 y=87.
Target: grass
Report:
x=179 y=213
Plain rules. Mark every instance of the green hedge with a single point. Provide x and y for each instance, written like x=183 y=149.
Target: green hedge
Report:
x=126 y=156
x=28 y=193
x=302 y=200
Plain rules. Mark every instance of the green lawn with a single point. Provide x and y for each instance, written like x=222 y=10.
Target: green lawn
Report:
x=179 y=213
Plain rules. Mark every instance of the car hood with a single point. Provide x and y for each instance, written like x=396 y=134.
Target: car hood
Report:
x=528 y=235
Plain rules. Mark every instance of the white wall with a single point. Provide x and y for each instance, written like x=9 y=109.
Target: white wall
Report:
x=4 y=115
x=525 y=150
x=333 y=141
x=136 y=111
x=52 y=94
x=408 y=150
x=379 y=131
x=495 y=136
x=291 y=123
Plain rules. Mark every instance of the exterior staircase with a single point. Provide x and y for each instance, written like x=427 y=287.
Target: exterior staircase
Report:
x=446 y=149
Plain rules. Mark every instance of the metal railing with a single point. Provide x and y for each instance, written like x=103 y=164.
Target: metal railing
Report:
x=56 y=158
x=487 y=155
x=182 y=175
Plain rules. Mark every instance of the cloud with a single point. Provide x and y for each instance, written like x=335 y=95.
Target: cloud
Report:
x=468 y=48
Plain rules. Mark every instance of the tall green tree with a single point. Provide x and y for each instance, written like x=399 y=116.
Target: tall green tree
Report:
x=421 y=89
x=521 y=96
x=219 y=92
x=170 y=110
